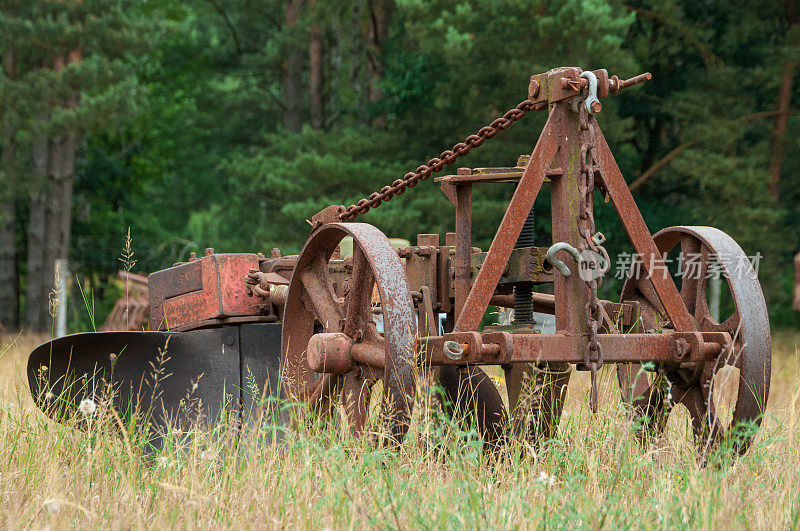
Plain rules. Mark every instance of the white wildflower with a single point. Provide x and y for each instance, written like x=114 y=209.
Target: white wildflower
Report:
x=87 y=407
x=546 y=479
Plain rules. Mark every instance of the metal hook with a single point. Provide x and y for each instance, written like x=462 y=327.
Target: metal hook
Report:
x=558 y=264
x=592 y=104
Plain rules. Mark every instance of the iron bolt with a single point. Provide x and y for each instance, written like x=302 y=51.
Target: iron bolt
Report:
x=533 y=88
x=682 y=348
x=569 y=83
x=209 y=251
x=229 y=340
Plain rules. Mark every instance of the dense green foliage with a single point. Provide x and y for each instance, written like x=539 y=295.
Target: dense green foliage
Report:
x=207 y=161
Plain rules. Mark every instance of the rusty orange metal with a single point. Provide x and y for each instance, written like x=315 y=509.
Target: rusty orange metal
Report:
x=205 y=291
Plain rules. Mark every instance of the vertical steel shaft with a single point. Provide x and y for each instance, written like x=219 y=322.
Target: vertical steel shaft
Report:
x=523 y=293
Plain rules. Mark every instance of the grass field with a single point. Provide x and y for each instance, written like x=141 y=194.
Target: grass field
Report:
x=594 y=475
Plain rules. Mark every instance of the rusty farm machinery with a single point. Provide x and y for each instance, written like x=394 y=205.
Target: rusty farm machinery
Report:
x=323 y=330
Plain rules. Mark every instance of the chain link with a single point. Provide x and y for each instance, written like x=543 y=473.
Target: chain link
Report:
x=593 y=356
x=436 y=164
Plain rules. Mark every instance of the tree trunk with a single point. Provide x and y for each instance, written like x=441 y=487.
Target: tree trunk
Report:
x=9 y=266
x=378 y=30
x=781 y=125
x=293 y=71
x=9 y=271
x=50 y=213
x=315 y=75
x=38 y=278
x=791 y=12
x=50 y=224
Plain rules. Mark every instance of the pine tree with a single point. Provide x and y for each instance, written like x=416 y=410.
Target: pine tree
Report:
x=68 y=72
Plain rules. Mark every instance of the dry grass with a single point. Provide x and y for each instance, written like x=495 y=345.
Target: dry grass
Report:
x=594 y=475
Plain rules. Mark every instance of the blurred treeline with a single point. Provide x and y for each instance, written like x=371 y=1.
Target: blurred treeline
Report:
x=228 y=124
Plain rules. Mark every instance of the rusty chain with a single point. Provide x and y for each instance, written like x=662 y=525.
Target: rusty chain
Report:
x=593 y=356
x=436 y=164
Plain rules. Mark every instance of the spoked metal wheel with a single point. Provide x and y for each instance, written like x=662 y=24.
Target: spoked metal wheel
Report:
x=323 y=312
x=725 y=398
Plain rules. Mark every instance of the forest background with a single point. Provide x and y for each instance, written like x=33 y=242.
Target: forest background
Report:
x=228 y=124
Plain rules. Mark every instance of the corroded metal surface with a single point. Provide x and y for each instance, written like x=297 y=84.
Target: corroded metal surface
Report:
x=203 y=291
x=313 y=298
x=484 y=348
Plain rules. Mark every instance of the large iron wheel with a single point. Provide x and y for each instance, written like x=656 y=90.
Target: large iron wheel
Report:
x=725 y=398
x=316 y=304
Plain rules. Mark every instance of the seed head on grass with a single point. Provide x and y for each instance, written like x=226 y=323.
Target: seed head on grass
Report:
x=87 y=407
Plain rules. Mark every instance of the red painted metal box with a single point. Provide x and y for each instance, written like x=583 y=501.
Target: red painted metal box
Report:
x=205 y=291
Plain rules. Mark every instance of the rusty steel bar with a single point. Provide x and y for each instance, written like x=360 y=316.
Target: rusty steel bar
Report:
x=614 y=84
x=571 y=292
x=676 y=347
x=335 y=353
x=617 y=85
x=463 y=252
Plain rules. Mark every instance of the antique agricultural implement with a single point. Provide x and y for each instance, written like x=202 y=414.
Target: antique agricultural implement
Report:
x=373 y=317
